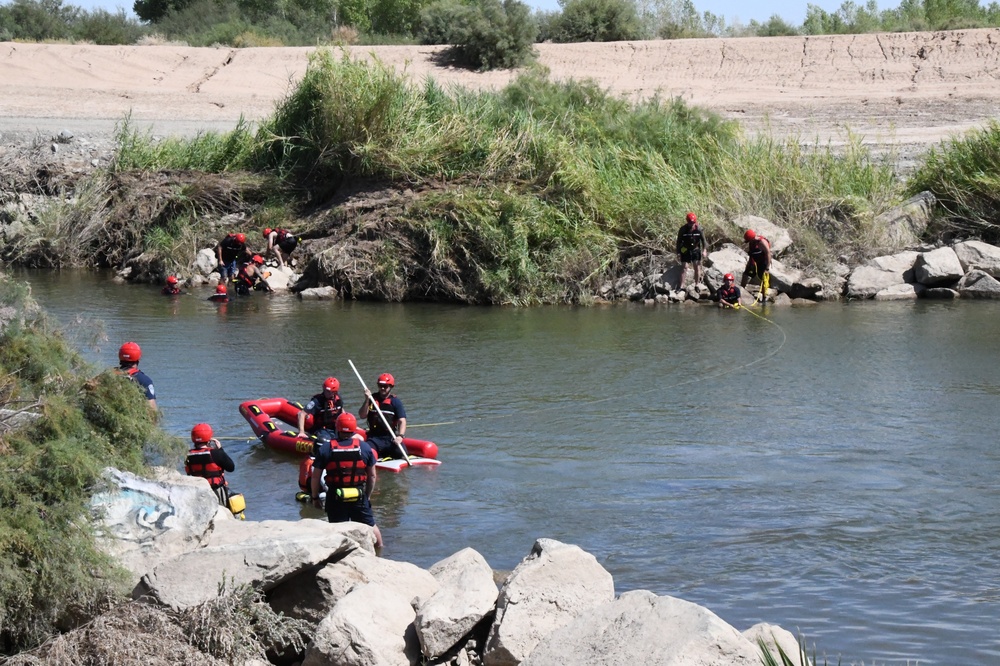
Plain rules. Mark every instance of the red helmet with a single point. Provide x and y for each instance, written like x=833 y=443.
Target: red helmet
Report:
x=386 y=378
x=346 y=422
x=201 y=433
x=749 y=235
x=220 y=288
x=331 y=384
x=241 y=238
x=267 y=231
x=729 y=277
x=171 y=279
x=257 y=259
x=129 y=353
x=691 y=217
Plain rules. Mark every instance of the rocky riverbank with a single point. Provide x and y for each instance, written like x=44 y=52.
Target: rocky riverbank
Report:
x=558 y=606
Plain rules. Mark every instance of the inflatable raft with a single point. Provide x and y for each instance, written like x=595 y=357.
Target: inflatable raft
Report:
x=261 y=415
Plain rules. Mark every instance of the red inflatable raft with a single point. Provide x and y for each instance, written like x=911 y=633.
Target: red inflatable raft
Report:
x=260 y=414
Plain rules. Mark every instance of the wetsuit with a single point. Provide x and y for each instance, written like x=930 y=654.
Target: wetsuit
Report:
x=758 y=263
x=690 y=242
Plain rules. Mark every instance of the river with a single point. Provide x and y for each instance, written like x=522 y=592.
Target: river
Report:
x=832 y=469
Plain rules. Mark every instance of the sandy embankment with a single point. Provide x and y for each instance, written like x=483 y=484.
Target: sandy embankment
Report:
x=908 y=90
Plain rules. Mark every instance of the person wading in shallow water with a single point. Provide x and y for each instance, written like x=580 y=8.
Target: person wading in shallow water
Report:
x=171 y=288
x=128 y=364
x=349 y=464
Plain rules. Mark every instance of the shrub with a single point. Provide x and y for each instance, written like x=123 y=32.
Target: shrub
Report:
x=495 y=35
x=773 y=27
x=438 y=21
x=103 y=27
x=597 y=21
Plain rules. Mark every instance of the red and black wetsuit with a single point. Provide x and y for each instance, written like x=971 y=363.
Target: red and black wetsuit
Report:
x=758 y=261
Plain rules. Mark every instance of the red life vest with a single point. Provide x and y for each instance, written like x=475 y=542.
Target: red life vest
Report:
x=327 y=412
x=245 y=279
x=199 y=462
x=757 y=255
x=346 y=468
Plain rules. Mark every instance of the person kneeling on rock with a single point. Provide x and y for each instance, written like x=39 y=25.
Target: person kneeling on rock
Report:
x=211 y=462
x=349 y=464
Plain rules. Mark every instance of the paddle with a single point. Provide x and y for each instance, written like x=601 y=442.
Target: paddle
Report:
x=402 y=449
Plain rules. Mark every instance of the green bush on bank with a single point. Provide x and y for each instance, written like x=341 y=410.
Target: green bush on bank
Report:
x=964 y=175
x=51 y=572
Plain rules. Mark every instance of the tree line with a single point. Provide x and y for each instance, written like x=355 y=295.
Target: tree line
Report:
x=483 y=34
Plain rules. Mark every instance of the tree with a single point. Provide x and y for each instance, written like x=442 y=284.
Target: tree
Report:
x=494 y=35
x=152 y=11
x=597 y=21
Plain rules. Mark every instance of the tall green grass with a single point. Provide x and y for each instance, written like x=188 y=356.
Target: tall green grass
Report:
x=529 y=176
x=964 y=175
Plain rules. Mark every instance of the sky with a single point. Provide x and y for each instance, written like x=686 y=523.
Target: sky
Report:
x=793 y=11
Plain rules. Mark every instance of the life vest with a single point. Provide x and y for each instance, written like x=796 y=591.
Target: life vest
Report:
x=375 y=426
x=171 y=291
x=327 y=412
x=282 y=235
x=231 y=248
x=729 y=295
x=757 y=254
x=346 y=468
x=244 y=279
x=689 y=238
x=129 y=372
x=199 y=462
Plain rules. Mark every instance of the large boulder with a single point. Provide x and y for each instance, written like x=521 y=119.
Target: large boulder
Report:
x=145 y=522
x=205 y=262
x=312 y=595
x=938 y=268
x=901 y=292
x=466 y=596
x=979 y=255
x=371 y=626
x=880 y=273
x=639 y=629
x=978 y=284
x=774 y=639
x=729 y=259
x=266 y=556
x=548 y=589
x=778 y=237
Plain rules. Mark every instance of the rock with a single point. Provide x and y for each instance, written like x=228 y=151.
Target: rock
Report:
x=775 y=637
x=978 y=255
x=549 y=588
x=318 y=294
x=904 y=225
x=938 y=267
x=900 y=292
x=264 y=556
x=778 y=237
x=467 y=595
x=940 y=293
x=978 y=284
x=639 y=629
x=880 y=273
x=205 y=262
x=64 y=136
x=371 y=626
x=147 y=522
x=312 y=595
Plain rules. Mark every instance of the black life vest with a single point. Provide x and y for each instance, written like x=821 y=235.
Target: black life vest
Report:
x=199 y=462
x=346 y=468
x=231 y=248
